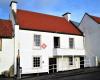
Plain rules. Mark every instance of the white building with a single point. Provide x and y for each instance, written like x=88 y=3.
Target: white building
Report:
x=90 y=26
x=6 y=45
x=45 y=43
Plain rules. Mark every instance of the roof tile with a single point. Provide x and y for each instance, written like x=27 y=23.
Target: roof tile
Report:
x=95 y=18
x=37 y=21
x=5 y=28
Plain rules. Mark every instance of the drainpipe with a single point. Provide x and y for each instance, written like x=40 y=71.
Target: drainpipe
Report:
x=18 y=66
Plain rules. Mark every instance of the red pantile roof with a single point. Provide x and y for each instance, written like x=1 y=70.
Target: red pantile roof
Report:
x=97 y=19
x=5 y=28
x=42 y=22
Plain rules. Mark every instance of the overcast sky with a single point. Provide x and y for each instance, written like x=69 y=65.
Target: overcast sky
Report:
x=77 y=8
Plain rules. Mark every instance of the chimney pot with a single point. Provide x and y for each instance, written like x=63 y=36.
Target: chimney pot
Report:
x=67 y=16
x=13 y=5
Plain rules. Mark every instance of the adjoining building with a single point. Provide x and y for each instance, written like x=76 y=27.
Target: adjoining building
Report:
x=6 y=45
x=90 y=26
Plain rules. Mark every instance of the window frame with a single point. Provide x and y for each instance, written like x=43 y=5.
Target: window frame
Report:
x=71 y=43
x=35 y=41
x=36 y=62
x=59 y=43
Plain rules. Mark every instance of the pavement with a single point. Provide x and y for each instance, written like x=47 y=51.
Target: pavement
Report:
x=6 y=78
x=90 y=76
x=81 y=74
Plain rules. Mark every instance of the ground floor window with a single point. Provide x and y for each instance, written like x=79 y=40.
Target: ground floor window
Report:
x=70 y=60
x=36 y=61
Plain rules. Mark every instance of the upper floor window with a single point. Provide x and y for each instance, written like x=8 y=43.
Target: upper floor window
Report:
x=37 y=40
x=36 y=61
x=56 y=42
x=0 y=44
x=71 y=43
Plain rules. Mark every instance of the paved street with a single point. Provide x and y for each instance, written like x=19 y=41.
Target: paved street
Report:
x=90 y=76
x=6 y=79
x=80 y=74
x=93 y=76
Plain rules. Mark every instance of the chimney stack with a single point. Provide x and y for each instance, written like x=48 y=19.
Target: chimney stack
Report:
x=13 y=5
x=67 y=16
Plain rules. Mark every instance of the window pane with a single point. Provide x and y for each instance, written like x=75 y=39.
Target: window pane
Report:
x=56 y=42
x=36 y=40
x=71 y=42
x=70 y=60
x=36 y=61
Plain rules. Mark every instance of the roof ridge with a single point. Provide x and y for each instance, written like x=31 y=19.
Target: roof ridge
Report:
x=40 y=13
x=93 y=15
x=95 y=18
x=5 y=19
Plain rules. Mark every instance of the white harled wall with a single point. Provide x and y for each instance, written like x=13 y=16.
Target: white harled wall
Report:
x=63 y=64
x=7 y=54
x=28 y=50
x=23 y=41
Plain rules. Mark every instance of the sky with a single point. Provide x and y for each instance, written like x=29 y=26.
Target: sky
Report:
x=77 y=8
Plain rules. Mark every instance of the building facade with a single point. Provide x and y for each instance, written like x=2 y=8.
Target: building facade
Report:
x=90 y=26
x=6 y=45
x=45 y=43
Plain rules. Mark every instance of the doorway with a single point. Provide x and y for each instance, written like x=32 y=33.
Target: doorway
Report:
x=52 y=65
x=81 y=62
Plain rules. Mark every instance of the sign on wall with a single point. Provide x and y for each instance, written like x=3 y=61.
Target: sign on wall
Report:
x=43 y=46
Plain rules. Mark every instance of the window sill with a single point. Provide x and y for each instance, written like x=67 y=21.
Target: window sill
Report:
x=36 y=68
x=71 y=65
x=36 y=48
x=72 y=48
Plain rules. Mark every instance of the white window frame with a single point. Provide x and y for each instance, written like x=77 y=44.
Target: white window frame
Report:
x=33 y=61
x=34 y=43
x=73 y=43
